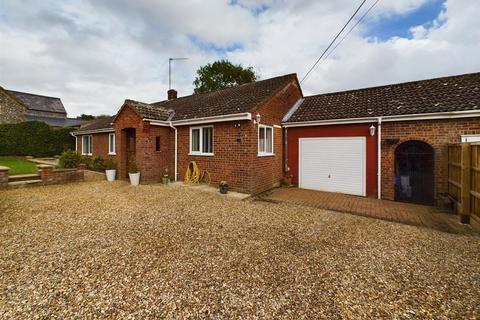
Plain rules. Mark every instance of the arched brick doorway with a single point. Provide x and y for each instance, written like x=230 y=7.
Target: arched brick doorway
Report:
x=414 y=172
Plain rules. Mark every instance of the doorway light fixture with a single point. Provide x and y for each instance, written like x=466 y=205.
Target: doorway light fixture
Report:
x=372 y=130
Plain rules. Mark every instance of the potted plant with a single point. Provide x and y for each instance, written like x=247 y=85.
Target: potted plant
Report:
x=223 y=187
x=110 y=169
x=133 y=173
x=166 y=178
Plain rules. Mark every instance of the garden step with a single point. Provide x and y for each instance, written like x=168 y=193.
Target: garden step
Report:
x=23 y=177
x=24 y=183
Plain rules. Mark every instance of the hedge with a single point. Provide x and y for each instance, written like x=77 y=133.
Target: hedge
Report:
x=34 y=138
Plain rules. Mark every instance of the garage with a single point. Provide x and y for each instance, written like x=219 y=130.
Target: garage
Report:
x=333 y=164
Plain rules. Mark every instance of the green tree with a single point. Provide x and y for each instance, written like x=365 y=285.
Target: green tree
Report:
x=222 y=74
x=84 y=116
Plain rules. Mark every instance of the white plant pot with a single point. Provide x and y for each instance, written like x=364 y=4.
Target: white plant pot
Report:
x=110 y=174
x=134 y=178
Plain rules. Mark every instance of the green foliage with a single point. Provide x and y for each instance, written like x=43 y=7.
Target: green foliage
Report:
x=84 y=116
x=110 y=164
x=97 y=163
x=222 y=74
x=34 y=138
x=132 y=167
x=18 y=165
x=70 y=159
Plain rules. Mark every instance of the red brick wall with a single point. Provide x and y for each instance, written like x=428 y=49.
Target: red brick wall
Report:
x=270 y=170
x=150 y=163
x=231 y=160
x=437 y=133
x=237 y=162
x=99 y=145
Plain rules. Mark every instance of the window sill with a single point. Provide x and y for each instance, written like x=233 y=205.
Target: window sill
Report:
x=112 y=154
x=86 y=154
x=201 y=154
x=266 y=155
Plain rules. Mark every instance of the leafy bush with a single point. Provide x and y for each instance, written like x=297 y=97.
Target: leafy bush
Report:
x=97 y=163
x=132 y=167
x=110 y=164
x=70 y=159
x=34 y=138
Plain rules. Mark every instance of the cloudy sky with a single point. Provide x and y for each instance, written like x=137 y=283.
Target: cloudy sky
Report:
x=95 y=53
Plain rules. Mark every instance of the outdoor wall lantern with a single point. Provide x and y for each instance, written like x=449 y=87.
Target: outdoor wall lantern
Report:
x=372 y=130
x=258 y=117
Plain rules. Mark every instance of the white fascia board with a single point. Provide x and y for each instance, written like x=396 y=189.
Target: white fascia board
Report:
x=77 y=133
x=409 y=117
x=293 y=109
x=328 y=122
x=223 y=118
x=158 y=122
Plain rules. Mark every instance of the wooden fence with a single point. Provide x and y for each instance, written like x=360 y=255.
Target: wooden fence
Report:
x=464 y=180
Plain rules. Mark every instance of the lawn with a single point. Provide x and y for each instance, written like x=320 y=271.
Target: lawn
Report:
x=18 y=165
x=110 y=250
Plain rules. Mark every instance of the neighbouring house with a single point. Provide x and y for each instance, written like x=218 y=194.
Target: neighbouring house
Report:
x=18 y=106
x=387 y=141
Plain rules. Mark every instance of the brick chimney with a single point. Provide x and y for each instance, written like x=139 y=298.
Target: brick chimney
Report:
x=172 y=94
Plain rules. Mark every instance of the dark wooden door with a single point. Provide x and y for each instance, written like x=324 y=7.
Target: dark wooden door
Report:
x=414 y=178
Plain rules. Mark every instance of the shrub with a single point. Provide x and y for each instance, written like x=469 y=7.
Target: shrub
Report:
x=132 y=167
x=70 y=159
x=97 y=164
x=34 y=138
x=110 y=164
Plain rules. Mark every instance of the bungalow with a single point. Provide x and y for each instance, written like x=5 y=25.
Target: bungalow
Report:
x=235 y=134
x=387 y=142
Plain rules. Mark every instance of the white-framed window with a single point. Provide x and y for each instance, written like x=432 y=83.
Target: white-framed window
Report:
x=87 y=145
x=265 y=140
x=111 y=143
x=201 y=141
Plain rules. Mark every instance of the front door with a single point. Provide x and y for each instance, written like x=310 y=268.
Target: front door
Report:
x=130 y=147
x=414 y=178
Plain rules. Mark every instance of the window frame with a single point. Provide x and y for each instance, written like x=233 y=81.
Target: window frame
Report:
x=90 y=145
x=264 y=153
x=110 y=152
x=200 y=141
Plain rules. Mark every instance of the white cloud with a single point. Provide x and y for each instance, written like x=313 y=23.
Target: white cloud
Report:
x=94 y=54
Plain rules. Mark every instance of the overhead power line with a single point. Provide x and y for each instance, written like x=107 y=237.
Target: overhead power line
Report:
x=333 y=41
x=349 y=31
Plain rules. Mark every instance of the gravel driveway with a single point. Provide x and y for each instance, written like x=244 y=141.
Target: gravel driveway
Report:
x=114 y=251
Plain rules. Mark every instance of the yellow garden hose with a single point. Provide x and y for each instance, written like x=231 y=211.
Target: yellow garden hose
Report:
x=192 y=174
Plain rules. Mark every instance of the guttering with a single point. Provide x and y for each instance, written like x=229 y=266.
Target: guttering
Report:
x=176 y=150
x=79 y=133
x=407 y=117
x=379 y=158
x=227 y=117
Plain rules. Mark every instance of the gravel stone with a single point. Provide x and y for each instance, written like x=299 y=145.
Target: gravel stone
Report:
x=110 y=250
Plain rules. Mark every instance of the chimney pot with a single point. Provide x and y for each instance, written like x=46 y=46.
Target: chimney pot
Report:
x=172 y=94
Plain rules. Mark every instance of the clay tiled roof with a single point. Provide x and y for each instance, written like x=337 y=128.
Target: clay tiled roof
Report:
x=240 y=99
x=447 y=94
x=150 y=111
x=97 y=124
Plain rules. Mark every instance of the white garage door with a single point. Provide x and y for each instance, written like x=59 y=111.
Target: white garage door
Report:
x=333 y=164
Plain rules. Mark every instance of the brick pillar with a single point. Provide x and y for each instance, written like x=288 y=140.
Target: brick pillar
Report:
x=4 y=176
x=46 y=173
x=80 y=172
